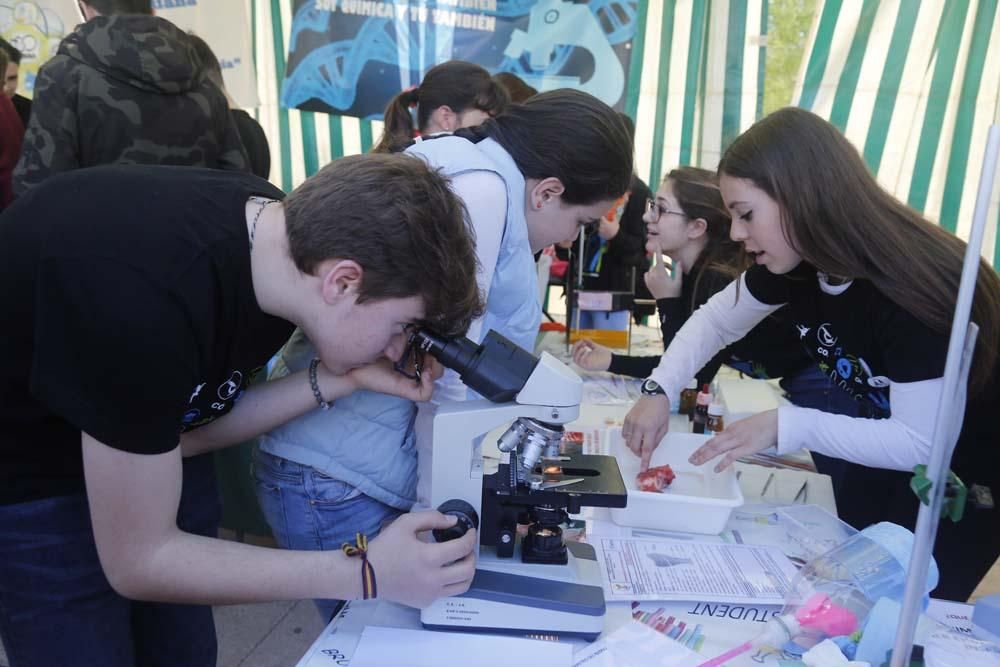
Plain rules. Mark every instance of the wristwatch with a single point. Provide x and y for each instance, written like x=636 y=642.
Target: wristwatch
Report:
x=652 y=388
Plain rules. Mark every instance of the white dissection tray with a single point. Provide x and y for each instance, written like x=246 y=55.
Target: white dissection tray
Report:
x=698 y=501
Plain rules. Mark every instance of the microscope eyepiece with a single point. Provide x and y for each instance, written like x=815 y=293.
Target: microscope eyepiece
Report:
x=454 y=353
x=497 y=369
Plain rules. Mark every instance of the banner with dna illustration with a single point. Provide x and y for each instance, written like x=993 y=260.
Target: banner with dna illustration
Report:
x=350 y=57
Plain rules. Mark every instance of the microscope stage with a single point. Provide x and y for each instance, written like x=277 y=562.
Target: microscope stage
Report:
x=600 y=484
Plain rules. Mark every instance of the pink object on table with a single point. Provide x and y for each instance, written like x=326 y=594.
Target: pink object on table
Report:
x=728 y=655
x=820 y=613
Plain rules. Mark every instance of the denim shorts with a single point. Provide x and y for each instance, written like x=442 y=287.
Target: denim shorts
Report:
x=310 y=511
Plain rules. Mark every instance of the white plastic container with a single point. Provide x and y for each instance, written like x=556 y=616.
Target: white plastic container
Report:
x=699 y=500
x=744 y=397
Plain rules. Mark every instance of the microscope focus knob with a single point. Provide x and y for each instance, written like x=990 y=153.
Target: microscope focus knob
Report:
x=467 y=518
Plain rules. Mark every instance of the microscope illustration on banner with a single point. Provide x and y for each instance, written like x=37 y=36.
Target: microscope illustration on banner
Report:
x=538 y=583
x=555 y=28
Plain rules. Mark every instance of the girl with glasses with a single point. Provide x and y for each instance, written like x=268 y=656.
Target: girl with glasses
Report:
x=688 y=222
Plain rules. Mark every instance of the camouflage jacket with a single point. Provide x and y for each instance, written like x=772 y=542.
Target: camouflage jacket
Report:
x=126 y=89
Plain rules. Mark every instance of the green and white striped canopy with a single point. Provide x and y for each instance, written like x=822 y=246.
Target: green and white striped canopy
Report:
x=915 y=85
x=701 y=84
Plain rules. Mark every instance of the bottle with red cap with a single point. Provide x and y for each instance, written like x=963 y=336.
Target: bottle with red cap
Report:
x=701 y=409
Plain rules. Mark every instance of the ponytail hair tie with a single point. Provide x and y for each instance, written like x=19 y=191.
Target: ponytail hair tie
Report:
x=414 y=95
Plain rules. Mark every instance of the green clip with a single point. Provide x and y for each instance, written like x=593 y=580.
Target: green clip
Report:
x=955 y=493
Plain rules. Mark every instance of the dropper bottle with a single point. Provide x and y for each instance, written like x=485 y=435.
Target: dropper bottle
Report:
x=701 y=409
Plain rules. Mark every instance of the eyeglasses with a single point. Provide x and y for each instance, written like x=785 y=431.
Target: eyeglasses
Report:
x=657 y=210
x=413 y=356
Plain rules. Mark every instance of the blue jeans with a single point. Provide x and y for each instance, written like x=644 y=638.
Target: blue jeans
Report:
x=813 y=389
x=57 y=607
x=310 y=511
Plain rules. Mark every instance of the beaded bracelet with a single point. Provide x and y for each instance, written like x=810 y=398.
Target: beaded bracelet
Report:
x=360 y=548
x=325 y=405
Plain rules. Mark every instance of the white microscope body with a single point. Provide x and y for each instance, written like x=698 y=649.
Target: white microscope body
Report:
x=534 y=584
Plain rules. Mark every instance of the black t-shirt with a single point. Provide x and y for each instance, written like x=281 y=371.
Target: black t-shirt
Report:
x=863 y=340
x=130 y=315
x=858 y=337
x=769 y=350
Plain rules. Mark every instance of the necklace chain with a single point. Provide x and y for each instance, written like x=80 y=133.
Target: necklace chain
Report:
x=262 y=202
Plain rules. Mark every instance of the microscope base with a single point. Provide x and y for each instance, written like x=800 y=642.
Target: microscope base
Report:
x=562 y=600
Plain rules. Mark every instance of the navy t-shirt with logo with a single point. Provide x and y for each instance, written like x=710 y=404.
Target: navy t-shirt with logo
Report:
x=130 y=315
x=857 y=337
x=863 y=340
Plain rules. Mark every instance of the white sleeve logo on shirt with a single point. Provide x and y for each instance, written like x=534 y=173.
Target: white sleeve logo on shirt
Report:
x=824 y=336
x=197 y=390
x=229 y=387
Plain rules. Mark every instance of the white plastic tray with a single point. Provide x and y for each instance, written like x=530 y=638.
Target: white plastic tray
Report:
x=698 y=501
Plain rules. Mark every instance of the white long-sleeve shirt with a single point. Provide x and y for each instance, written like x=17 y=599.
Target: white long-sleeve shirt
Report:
x=485 y=197
x=843 y=327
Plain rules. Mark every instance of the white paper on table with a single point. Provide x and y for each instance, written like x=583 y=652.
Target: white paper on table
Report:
x=385 y=647
x=634 y=569
x=954 y=615
x=338 y=641
x=609 y=389
x=636 y=645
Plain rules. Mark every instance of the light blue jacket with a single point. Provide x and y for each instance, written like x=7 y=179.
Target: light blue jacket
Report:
x=367 y=439
x=512 y=306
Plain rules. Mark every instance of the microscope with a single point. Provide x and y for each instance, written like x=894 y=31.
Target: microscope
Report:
x=535 y=583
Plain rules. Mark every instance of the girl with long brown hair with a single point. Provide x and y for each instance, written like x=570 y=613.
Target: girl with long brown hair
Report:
x=871 y=286
x=688 y=222
x=452 y=95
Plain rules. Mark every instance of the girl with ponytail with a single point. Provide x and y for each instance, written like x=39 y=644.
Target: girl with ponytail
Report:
x=452 y=95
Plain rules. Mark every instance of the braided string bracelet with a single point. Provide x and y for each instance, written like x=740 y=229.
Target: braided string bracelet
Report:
x=360 y=548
